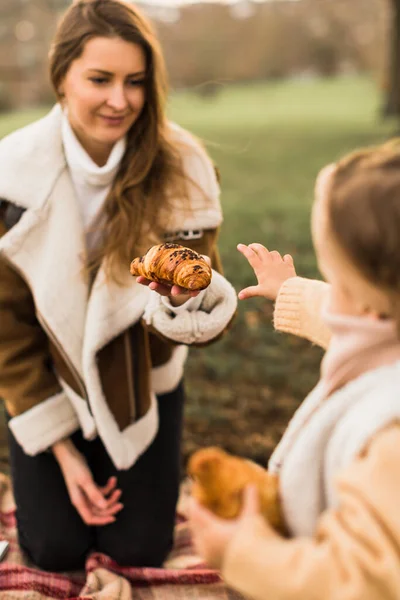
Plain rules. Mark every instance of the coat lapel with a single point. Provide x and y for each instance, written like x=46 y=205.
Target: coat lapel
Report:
x=112 y=309
x=48 y=249
x=48 y=245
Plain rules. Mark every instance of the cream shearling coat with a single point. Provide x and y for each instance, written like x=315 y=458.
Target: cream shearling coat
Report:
x=46 y=248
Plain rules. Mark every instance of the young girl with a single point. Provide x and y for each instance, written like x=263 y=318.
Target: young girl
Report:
x=339 y=460
x=91 y=361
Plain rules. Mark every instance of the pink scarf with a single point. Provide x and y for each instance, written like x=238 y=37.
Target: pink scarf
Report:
x=358 y=345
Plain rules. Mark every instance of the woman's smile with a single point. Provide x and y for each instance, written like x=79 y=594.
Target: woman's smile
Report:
x=113 y=121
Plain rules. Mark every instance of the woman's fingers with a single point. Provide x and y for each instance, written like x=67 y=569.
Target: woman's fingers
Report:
x=176 y=290
x=115 y=496
x=93 y=493
x=111 y=511
x=110 y=485
x=80 y=501
x=161 y=289
x=166 y=290
x=142 y=280
x=111 y=505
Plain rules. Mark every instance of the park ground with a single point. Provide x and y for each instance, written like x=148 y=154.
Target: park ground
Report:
x=269 y=140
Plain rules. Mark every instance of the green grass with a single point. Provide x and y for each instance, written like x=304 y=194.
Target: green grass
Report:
x=269 y=141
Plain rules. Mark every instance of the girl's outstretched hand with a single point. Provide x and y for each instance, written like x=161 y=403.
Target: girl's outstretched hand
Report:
x=212 y=535
x=270 y=269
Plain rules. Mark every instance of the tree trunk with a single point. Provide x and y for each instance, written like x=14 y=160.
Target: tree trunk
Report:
x=391 y=107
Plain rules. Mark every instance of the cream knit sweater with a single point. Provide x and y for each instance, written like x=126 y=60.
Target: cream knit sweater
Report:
x=298 y=310
x=354 y=553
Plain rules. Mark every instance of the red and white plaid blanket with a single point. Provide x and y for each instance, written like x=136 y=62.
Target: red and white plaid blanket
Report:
x=182 y=578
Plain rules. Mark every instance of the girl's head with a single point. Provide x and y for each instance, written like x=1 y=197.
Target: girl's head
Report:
x=107 y=69
x=356 y=231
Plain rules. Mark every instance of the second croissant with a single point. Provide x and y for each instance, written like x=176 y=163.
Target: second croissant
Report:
x=173 y=264
x=220 y=478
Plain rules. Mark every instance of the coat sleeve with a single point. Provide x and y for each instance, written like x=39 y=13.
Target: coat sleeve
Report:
x=40 y=412
x=203 y=319
x=298 y=310
x=355 y=552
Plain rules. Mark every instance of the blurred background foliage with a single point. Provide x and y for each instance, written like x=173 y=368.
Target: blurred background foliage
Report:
x=209 y=45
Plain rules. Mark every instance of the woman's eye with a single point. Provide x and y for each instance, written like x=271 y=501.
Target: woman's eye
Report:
x=136 y=82
x=98 y=80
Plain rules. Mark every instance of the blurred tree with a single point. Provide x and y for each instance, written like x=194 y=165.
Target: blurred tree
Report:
x=391 y=107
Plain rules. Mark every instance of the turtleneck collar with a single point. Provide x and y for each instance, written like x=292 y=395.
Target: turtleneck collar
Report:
x=82 y=167
x=358 y=345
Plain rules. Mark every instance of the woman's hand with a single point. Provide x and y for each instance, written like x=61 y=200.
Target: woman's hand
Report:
x=211 y=535
x=270 y=269
x=96 y=505
x=176 y=294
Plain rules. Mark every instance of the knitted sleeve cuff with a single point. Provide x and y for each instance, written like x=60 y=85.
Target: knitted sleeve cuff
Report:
x=298 y=309
x=46 y=423
x=191 y=304
x=195 y=325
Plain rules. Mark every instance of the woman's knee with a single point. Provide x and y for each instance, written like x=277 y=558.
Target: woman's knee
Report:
x=151 y=553
x=137 y=544
x=51 y=555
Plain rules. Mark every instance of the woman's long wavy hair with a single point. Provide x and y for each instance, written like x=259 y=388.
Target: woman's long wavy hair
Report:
x=151 y=169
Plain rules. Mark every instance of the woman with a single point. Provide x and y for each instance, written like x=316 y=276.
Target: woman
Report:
x=91 y=360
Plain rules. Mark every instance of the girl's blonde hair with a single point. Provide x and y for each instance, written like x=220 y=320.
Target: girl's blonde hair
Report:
x=364 y=215
x=151 y=168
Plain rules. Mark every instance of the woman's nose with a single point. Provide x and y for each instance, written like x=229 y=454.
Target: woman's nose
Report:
x=117 y=98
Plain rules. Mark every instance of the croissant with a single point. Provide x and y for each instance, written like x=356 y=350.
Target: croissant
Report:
x=218 y=481
x=173 y=264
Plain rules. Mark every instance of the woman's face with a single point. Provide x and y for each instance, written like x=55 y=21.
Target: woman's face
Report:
x=104 y=92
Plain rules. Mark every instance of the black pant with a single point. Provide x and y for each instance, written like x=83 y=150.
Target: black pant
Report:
x=50 y=529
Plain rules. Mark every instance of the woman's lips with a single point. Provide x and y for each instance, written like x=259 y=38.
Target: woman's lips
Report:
x=115 y=121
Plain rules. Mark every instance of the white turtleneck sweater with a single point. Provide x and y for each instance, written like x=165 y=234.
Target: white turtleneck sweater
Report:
x=92 y=185
x=91 y=182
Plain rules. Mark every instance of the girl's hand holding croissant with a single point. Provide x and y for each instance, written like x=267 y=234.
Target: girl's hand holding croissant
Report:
x=270 y=269
x=211 y=535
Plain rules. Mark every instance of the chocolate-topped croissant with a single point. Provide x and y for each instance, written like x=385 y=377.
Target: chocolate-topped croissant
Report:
x=173 y=264
x=220 y=478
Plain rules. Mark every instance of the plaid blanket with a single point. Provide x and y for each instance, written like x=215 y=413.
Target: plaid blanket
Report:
x=183 y=577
